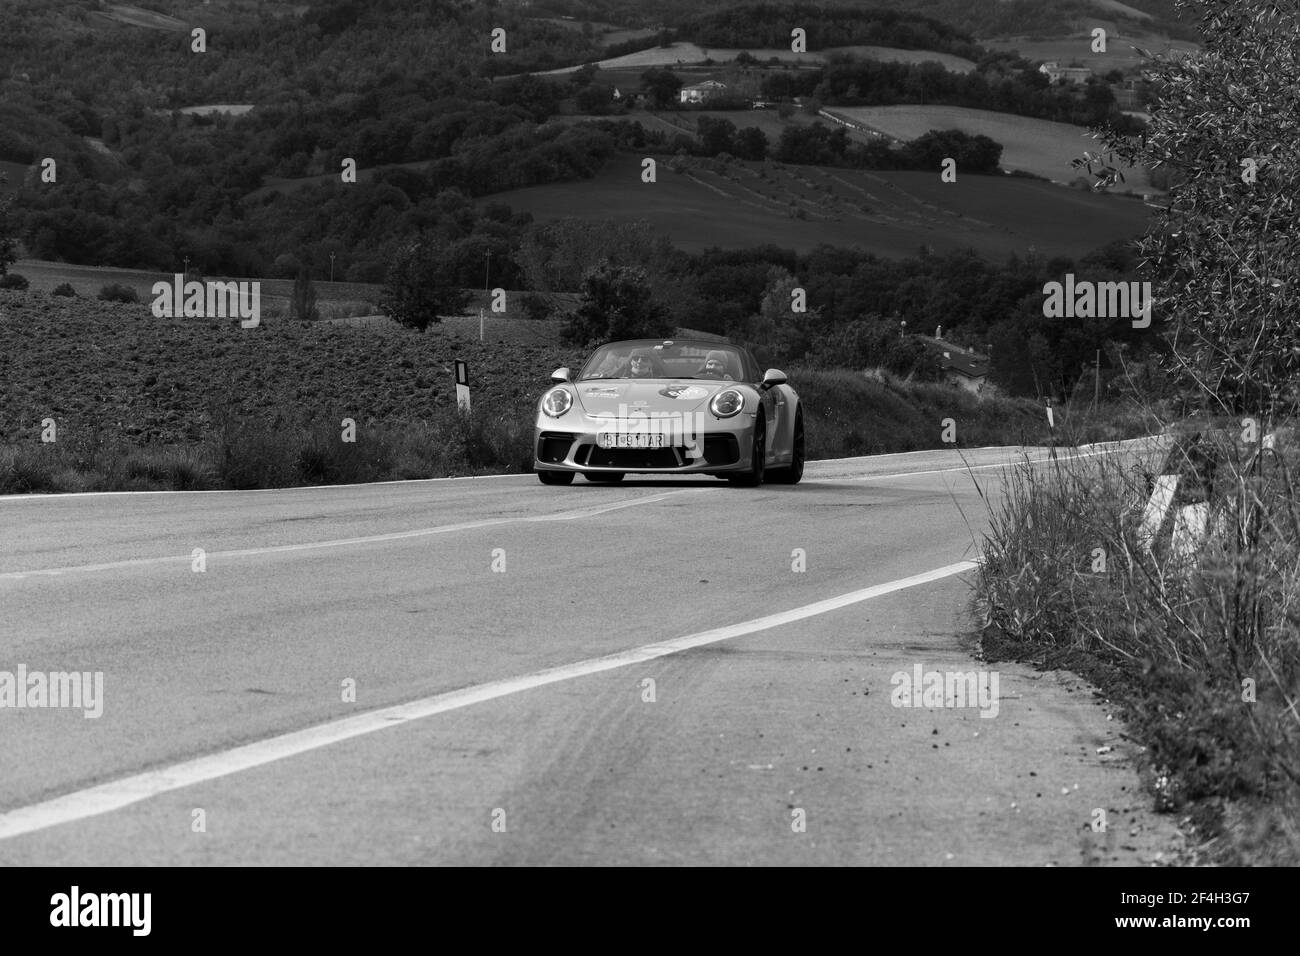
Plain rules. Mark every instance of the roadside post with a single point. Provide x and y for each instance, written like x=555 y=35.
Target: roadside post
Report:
x=462 y=385
x=1191 y=501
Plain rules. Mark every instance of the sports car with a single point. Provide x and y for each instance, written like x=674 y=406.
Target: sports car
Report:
x=674 y=407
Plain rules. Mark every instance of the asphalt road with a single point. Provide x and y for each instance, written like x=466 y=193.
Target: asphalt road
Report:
x=515 y=702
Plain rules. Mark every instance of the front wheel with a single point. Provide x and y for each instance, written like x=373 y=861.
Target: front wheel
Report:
x=757 y=458
x=555 y=477
x=794 y=472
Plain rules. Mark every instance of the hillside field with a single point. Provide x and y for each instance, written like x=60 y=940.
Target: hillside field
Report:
x=138 y=17
x=44 y=275
x=889 y=213
x=1036 y=146
x=1120 y=53
x=164 y=380
x=682 y=53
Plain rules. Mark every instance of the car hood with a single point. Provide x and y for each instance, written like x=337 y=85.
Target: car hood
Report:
x=610 y=397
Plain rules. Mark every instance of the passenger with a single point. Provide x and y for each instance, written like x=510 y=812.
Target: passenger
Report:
x=715 y=366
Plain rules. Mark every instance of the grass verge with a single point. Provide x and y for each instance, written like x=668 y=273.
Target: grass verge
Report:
x=1197 y=636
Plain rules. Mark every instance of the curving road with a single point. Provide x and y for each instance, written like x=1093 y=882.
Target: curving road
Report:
x=621 y=674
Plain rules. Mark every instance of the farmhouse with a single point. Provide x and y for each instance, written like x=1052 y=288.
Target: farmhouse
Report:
x=960 y=367
x=966 y=369
x=1065 y=74
x=702 y=92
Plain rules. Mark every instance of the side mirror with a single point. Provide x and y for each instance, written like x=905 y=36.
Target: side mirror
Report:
x=773 y=376
x=560 y=375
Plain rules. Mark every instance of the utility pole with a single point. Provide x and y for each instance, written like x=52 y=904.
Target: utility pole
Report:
x=187 y=265
x=331 y=267
x=487 y=269
x=1096 y=381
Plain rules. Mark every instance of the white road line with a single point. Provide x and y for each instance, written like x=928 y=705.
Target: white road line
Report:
x=419 y=481
x=117 y=794
x=940 y=471
x=344 y=542
x=60 y=495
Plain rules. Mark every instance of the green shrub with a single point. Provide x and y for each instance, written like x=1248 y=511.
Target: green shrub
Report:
x=13 y=280
x=114 y=292
x=64 y=289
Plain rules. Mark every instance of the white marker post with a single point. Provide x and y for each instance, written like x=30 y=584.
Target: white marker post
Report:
x=1051 y=425
x=462 y=385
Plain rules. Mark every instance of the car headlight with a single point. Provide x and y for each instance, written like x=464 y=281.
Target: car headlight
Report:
x=727 y=403
x=556 y=402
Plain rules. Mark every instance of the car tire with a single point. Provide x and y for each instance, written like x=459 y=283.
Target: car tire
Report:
x=555 y=477
x=605 y=477
x=793 y=473
x=757 y=457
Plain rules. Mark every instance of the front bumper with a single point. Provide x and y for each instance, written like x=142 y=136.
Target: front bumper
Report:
x=724 y=446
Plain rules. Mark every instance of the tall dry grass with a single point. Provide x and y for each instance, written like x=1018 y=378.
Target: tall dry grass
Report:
x=1206 y=628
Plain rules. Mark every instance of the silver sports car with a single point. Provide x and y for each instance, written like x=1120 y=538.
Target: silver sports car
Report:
x=677 y=407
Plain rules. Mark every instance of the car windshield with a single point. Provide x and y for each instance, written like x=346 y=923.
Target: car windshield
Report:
x=665 y=360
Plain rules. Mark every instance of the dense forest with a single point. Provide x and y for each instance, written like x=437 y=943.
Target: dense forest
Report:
x=411 y=107
x=856 y=301
x=769 y=25
x=987 y=19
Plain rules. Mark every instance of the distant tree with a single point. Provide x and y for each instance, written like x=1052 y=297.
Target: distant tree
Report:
x=584 y=74
x=536 y=306
x=302 y=305
x=716 y=135
x=751 y=143
x=285 y=266
x=745 y=58
x=616 y=303
x=8 y=242
x=661 y=86
x=594 y=99
x=1222 y=253
x=555 y=256
x=974 y=154
x=418 y=290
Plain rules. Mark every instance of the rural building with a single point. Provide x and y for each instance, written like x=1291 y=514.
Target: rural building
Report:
x=960 y=366
x=701 y=92
x=1065 y=74
x=967 y=369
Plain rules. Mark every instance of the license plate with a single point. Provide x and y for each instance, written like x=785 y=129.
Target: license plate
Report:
x=631 y=440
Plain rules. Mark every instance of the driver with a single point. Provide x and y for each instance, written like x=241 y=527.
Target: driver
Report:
x=715 y=366
x=641 y=364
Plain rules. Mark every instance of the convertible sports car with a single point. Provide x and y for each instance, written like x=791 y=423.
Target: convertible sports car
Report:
x=678 y=407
